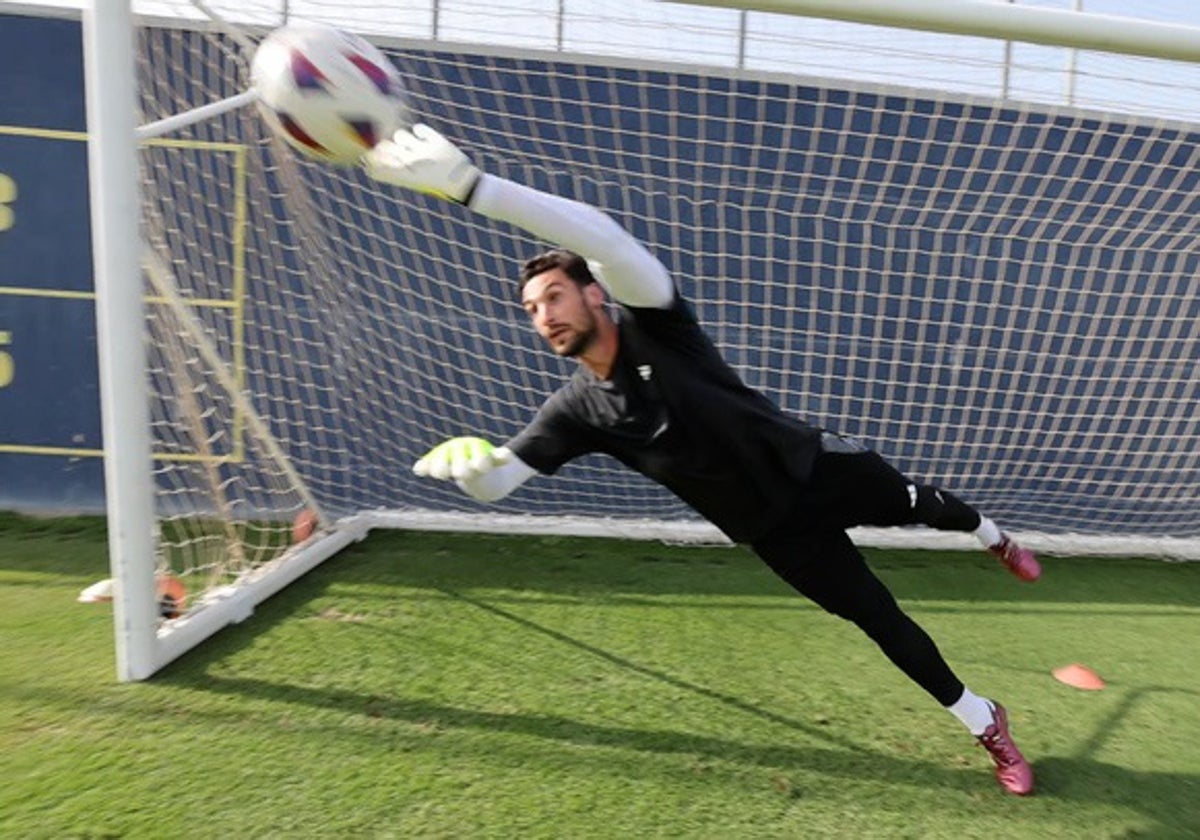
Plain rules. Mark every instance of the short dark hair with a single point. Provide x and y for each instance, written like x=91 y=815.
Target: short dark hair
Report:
x=573 y=265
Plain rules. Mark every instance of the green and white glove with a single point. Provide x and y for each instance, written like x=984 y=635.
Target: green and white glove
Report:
x=423 y=160
x=461 y=459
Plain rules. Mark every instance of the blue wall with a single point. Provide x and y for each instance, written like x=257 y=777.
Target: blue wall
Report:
x=50 y=399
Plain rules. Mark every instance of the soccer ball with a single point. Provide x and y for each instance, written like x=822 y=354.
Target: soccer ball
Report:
x=330 y=94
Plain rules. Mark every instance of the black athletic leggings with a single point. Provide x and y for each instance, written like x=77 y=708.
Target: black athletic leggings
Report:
x=815 y=555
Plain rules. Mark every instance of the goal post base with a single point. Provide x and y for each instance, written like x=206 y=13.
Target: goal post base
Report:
x=236 y=602
x=696 y=532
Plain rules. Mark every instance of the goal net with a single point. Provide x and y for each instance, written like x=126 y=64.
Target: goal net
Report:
x=991 y=284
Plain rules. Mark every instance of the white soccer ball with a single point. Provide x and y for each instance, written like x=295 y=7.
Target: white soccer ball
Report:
x=330 y=94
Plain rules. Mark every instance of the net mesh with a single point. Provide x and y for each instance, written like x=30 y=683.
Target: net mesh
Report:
x=995 y=293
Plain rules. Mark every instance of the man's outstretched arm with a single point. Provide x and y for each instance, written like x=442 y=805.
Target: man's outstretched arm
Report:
x=422 y=159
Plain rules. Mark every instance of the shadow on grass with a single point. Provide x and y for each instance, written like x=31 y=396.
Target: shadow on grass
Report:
x=841 y=758
x=857 y=763
x=1170 y=801
x=192 y=670
x=661 y=676
x=1131 y=698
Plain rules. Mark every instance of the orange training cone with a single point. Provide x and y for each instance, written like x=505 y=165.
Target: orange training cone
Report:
x=304 y=525
x=172 y=595
x=1079 y=676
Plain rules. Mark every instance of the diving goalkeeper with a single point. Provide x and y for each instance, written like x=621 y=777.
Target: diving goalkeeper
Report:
x=652 y=391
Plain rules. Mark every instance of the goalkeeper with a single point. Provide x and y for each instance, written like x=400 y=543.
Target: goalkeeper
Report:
x=652 y=391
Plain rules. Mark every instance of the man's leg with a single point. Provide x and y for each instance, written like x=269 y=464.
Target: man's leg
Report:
x=826 y=566
x=860 y=488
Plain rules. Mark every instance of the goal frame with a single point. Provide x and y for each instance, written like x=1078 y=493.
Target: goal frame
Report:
x=1031 y=24
x=143 y=643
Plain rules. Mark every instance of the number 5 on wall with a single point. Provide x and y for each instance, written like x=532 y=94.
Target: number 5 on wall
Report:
x=8 y=194
x=7 y=367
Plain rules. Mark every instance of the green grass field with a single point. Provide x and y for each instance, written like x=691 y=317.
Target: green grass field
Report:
x=463 y=686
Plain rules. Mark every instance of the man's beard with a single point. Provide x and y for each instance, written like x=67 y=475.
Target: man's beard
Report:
x=583 y=340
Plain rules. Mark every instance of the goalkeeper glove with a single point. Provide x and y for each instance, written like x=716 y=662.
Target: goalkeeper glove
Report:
x=461 y=458
x=421 y=159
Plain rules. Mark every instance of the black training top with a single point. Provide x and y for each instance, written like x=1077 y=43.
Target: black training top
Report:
x=676 y=412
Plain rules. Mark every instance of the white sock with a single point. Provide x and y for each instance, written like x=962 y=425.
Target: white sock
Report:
x=988 y=532
x=976 y=713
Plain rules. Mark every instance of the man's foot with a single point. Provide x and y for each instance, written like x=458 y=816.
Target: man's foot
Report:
x=1020 y=561
x=1012 y=770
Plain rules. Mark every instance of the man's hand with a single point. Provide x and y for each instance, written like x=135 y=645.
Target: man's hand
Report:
x=461 y=458
x=421 y=159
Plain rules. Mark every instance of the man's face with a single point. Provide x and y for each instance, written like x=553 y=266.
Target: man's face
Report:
x=562 y=312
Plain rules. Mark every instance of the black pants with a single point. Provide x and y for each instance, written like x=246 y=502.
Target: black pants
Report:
x=814 y=554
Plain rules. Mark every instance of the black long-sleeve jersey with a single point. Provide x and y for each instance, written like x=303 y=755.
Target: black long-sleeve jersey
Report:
x=675 y=411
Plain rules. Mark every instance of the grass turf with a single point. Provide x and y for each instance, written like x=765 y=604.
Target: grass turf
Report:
x=429 y=685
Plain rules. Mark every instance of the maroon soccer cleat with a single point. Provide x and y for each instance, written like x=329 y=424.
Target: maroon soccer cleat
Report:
x=1012 y=770
x=1020 y=561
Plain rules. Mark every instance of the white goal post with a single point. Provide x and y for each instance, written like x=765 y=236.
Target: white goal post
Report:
x=994 y=287
x=1063 y=27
